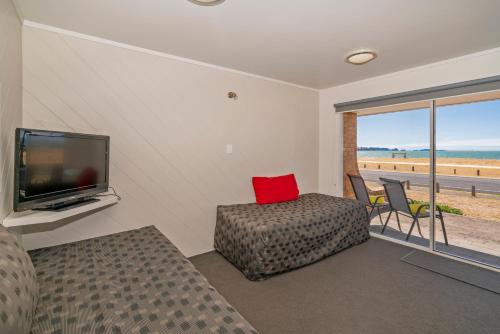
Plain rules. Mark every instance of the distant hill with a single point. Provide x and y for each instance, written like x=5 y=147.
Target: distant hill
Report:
x=363 y=148
x=375 y=148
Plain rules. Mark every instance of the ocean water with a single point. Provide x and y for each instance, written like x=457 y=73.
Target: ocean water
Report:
x=490 y=155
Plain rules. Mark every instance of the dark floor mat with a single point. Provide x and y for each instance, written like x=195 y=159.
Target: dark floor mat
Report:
x=467 y=273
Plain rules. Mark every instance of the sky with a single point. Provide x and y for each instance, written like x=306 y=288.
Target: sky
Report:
x=473 y=126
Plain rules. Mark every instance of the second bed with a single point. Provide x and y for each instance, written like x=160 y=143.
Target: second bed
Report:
x=264 y=240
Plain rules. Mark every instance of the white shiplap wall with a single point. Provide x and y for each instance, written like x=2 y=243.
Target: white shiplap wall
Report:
x=10 y=97
x=169 y=123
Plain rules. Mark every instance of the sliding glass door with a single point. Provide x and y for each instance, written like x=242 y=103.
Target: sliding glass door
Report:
x=467 y=171
x=394 y=145
x=446 y=153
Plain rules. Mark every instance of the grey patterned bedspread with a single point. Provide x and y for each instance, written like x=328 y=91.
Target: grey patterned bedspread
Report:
x=130 y=282
x=263 y=240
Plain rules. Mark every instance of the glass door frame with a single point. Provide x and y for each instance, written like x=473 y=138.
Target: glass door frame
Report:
x=432 y=175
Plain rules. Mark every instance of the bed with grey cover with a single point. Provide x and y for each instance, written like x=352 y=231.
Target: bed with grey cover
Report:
x=130 y=282
x=264 y=240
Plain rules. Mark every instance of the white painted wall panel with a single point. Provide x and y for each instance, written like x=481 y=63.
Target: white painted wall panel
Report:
x=10 y=98
x=169 y=123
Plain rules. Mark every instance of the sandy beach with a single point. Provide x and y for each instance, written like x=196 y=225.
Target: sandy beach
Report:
x=445 y=166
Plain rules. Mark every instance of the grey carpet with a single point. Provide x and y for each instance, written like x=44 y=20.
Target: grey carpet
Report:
x=482 y=278
x=365 y=289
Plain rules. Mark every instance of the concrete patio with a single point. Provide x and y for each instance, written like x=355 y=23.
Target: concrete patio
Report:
x=471 y=238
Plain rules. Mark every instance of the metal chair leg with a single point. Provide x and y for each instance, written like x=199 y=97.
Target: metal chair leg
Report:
x=399 y=224
x=418 y=228
x=386 y=222
x=444 y=229
x=371 y=212
x=411 y=229
x=380 y=216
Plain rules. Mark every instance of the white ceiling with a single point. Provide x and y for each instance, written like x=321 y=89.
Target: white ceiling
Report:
x=301 y=41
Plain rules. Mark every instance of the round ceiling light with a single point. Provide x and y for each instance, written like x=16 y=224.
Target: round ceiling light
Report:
x=207 y=2
x=360 y=57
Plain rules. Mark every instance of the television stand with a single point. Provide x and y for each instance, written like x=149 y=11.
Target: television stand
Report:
x=63 y=206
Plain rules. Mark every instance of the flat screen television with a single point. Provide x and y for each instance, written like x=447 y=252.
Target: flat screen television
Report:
x=55 y=169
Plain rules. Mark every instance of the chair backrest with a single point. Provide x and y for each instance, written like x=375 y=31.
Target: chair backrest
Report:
x=359 y=187
x=396 y=195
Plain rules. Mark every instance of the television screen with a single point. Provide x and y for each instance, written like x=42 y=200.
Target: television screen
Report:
x=53 y=165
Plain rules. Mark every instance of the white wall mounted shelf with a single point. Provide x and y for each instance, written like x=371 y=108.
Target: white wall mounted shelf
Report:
x=34 y=217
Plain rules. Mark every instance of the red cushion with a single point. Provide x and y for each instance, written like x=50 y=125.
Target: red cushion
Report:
x=275 y=189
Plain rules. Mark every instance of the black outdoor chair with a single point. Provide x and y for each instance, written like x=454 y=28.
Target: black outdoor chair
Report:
x=376 y=204
x=400 y=204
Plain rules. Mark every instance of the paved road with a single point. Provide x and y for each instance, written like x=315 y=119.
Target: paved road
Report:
x=483 y=185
